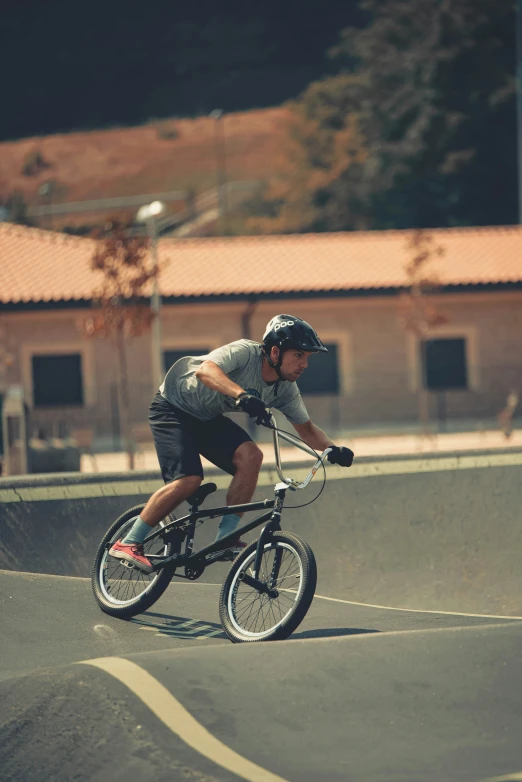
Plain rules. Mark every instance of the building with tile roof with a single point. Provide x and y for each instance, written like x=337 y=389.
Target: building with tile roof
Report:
x=217 y=290
x=42 y=266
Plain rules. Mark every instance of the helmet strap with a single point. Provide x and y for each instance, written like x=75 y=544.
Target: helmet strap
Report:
x=277 y=365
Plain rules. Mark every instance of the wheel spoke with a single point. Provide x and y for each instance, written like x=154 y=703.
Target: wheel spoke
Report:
x=257 y=613
x=286 y=571
x=122 y=585
x=248 y=608
x=272 y=612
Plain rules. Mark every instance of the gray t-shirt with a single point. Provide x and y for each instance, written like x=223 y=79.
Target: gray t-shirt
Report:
x=241 y=361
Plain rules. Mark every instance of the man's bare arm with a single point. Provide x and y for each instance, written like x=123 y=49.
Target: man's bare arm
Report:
x=213 y=377
x=313 y=436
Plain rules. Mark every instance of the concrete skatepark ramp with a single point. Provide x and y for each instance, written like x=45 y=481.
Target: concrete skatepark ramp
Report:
x=405 y=668
x=440 y=533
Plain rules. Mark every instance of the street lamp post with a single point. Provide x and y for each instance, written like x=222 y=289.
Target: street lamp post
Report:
x=45 y=191
x=221 y=161
x=147 y=214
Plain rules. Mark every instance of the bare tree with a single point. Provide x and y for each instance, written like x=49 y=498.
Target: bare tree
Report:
x=417 y=312
x=121 y=307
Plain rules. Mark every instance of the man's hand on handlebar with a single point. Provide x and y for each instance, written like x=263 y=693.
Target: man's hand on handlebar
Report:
x=254 y=407
x=341 y=455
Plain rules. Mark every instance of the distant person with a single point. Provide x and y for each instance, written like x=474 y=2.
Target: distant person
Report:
x=187 y=421
x=505 y=417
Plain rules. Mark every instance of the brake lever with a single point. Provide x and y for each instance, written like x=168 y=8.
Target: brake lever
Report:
x=266 y=423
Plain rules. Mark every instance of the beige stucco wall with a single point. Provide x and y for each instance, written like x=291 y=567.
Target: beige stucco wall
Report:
x=378 y=366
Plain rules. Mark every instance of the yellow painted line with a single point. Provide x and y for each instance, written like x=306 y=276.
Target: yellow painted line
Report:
x=418 y=610
x=267 y=477
x=170 y=711
x=9 y=495
x=79 y=491
x=516 y=777
x=443 y=464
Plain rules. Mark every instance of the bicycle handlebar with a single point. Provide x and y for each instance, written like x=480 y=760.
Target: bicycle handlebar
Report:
x=290 y=482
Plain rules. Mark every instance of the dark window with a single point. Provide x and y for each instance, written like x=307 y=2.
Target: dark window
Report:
x=445 y=364
x=57 y=381
x=171 y=356
x=322 y=374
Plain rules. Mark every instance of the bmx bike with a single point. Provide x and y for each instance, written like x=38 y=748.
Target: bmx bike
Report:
x=269 y=587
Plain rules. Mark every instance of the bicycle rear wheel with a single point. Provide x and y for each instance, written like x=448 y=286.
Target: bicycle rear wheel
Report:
x=288 y=568
x=119 y=589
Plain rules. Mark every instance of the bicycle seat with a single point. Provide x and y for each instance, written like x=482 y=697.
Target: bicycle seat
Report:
x=200 y=494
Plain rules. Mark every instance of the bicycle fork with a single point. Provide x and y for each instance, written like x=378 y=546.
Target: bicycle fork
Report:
x=266 y=535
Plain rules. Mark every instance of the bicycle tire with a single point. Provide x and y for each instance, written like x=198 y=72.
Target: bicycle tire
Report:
x=304 y=596
x=141 y=603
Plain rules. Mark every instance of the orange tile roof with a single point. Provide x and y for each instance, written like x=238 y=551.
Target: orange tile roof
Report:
x=44 y=266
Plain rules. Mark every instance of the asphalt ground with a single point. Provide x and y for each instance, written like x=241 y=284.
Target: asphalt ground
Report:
x=357 y=693
x=388 y=692
x=53 y=620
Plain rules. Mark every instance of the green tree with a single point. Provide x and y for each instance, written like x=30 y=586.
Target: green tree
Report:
x=429 y=87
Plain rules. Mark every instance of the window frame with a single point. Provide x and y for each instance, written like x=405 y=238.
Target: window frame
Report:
x=195 y=342
x=343 y=340
x=84 y=350
x=468 y=333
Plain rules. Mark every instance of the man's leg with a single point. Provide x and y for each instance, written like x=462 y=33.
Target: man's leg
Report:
x=162 y=502
x=247 y=461
x=173 y=433
x=167 y=499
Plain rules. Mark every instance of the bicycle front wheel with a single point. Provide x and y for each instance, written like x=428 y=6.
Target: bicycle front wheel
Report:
x=288 y=569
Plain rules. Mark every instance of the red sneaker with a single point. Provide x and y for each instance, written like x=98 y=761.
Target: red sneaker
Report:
x=133 y=553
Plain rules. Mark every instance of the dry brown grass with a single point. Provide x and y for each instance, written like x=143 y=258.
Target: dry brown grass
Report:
x=130 y=161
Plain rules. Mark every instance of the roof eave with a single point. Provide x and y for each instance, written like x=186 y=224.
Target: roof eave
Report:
x=61 y=304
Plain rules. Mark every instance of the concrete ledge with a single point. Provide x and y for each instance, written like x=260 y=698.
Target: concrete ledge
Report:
x=76 y=485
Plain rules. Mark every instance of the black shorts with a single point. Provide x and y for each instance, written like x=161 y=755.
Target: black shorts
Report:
x=180 y=439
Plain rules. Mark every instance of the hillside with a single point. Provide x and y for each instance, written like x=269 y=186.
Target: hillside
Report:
x=164 y=155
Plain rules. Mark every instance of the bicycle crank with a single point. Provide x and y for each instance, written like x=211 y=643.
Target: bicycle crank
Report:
x=194 y=571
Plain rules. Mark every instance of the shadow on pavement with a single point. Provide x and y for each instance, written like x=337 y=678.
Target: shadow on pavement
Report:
x=332 y=632
x=178 y=626
x=184 y=627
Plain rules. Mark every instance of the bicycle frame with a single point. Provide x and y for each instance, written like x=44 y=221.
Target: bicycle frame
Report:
x=185 y=526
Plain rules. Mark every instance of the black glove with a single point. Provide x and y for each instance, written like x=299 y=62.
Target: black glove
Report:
x=342 y=456
x=254 y=407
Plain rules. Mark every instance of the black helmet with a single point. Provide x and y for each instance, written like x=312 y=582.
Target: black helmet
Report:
x=286 y=331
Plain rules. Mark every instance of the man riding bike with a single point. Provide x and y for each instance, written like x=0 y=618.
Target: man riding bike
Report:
x=187 y=421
